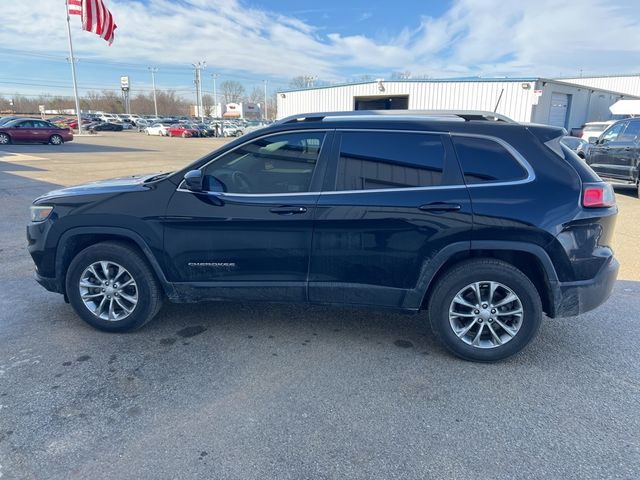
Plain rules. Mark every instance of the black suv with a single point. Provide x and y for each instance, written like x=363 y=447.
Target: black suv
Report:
x=615 y=156
x=482 y=221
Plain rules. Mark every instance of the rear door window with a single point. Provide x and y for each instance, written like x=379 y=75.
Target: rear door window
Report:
x=389 y=160
x=631 y=133
x=484 y=160
x=611 y=135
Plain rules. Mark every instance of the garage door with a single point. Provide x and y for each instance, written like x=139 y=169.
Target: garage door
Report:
x=559 y=109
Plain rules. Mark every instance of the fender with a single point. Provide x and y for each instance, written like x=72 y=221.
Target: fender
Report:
x=116 y=231
x=430 y=268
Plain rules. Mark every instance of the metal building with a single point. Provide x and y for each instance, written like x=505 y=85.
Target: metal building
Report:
x=627 y=84
x=537 y=100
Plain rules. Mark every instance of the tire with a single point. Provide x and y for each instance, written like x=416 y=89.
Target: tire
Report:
x=56 y=140
x=5 y=139
x=127 y=315
x=519 y=329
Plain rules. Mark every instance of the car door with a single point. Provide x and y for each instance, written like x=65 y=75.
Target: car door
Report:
x=391 y=201
x=42 y=131
x=604 y=153
x=625 y=152
x=23 y=131
x=248 y=235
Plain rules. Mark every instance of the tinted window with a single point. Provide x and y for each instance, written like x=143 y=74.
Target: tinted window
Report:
x=276 y=164
x=26 y=124
x=613 y=132
x=483 y=160
x=631 y=132
x=382 y=160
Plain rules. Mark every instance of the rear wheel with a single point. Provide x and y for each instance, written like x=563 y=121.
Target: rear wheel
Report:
x=56 y=140
x=485 y=310
x=111 y=287
x=5 y=139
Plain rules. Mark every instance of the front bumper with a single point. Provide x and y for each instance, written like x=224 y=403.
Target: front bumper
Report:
x=575 y=298
x=51 y=284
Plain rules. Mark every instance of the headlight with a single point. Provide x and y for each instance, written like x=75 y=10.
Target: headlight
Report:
x=39 y=213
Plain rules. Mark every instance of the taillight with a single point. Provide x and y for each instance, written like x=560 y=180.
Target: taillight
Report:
x=598 y=195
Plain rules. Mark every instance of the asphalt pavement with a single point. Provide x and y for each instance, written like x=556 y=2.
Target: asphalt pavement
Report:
x=254 y=391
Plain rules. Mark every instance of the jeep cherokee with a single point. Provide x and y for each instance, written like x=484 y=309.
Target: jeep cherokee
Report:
x=483 y=222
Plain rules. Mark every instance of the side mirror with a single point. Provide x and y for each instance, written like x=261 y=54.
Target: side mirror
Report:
x=593 y=140
x=193 y=180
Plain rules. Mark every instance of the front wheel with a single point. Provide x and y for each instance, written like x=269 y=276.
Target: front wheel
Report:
x=55 y=140
x=111 y=287
x=485 y=310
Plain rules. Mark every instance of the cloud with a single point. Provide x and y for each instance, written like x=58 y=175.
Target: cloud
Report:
x=488 y=37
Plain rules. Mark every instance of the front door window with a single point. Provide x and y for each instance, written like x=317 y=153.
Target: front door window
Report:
x=269 y=165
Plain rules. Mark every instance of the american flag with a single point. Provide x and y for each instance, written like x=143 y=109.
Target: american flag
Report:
x=95 y=16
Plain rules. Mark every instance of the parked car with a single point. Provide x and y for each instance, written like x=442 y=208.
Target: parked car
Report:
x=204 y=130
x=159 y=129
x=5 y=120
x=578 y=145
x=594 y=129
x=232 y=130
x=183 y=130
x=483 y=222
x=74 y=123
x=615 y=156
x=32 y=130
x=108 y=117
x=105 y=126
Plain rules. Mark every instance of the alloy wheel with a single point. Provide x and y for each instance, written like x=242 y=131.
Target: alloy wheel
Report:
x=486 y=314
x=108 y=290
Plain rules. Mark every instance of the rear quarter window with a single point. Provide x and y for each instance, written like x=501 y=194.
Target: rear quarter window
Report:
x=484 y=160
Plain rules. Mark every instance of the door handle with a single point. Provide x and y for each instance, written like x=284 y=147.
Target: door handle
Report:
x=440 y=207
x=288 y=210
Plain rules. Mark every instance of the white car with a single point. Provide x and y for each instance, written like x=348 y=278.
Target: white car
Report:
x=158 y=129
x=108 y=117
x=595 y=129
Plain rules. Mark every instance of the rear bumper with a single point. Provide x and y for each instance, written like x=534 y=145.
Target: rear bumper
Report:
x=575 y=298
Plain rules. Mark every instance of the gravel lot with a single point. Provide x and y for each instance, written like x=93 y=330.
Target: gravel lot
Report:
x=232 y=391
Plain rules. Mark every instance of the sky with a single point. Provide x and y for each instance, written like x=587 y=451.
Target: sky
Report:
x=336 y=41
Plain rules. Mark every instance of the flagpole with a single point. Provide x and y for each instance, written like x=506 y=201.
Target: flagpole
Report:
x=73 y=68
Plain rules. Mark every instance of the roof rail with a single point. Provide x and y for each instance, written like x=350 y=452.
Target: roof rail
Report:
x=466 y=115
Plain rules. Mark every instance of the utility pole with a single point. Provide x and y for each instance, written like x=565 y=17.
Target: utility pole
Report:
x=72 y=60
x=153 y=71
x=214 y=76
x=265 y=100
x=198 y=81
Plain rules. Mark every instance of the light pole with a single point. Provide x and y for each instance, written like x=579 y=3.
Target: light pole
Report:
x=265 y=100
x=198 y=81
x=214 y=76
x=153 y=71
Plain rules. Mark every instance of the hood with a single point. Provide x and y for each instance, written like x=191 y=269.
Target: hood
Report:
x=114 y=185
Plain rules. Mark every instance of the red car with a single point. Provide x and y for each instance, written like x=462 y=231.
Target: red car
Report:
x=28 y=130
x=183 y=131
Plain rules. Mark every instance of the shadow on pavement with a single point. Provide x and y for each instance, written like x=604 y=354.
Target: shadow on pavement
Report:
x=29 y=148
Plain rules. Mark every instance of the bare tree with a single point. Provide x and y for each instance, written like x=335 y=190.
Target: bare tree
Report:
x=256 y=95
x=232 y=91
x=298 y=82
